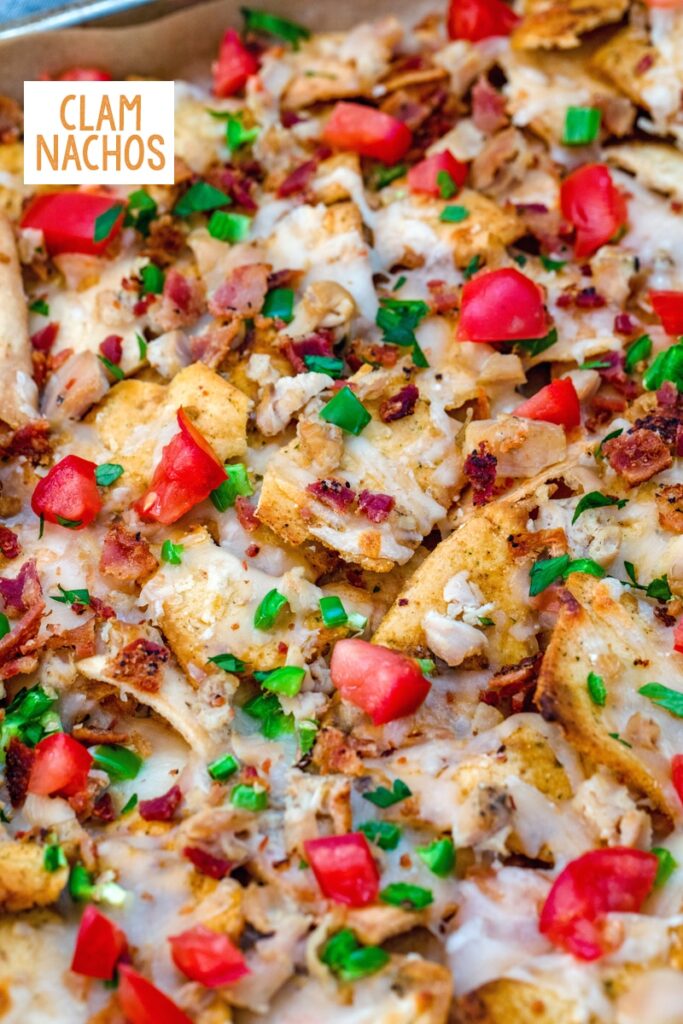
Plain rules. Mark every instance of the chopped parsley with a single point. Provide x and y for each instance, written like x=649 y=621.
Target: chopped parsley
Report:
x=658 y=589
x=547 y=570
x=594 y=499
x=664 y=697
x=637 y=351
x=597 y=452
x=142 y=210
x=200 y=198
x=72 y=596
x=228 y=662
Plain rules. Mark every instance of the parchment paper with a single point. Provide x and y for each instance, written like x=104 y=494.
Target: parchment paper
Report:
x=180 y=45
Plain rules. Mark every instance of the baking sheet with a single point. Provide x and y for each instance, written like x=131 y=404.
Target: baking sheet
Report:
x=180 y=45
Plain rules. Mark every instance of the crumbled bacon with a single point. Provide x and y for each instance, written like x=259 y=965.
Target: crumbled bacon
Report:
x=589 y=298
x=238 y=183
x=101 y=609
x=112 y=348
x=638 y=455
x=20 y=666
x=669 y=501
x=299 y=180
x=141 y=663
x=480 y=469
x=125 y=555
x=103 y=808
x=24 y=590
x=81 y=638
x=668 y=427
x=207 y=863
x=44 y=339
x=616 y=375
x=644 y=64
x=243 y=292
x=161 y=808
x=624 y=324
x=164 y=241
x=11 y=120
x=512 y=680
x=668 y=396
x=366 y=352
x=183 y=301
x=213 y=345
x=443 y=297
x=246 y=514
x=286 y=278
x=400 y=405
x=333 y=493
x=18 y=764
x=488 y=107
x=318 y=344
x=88 y=734
x=9 y=543
x=375 y=506
x=31 y=441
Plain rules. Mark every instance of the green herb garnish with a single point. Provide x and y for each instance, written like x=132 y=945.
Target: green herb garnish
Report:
x=637 y=351
x=346 y=411
x=172 y=553
x=269 y=609
x=72 y=596
x=228 y=662
x=249 y=798
x=664 y=697
x=402 y=894
x=223 y=767
x=108 y=473
x=200 y=198
x=104 y=224
x=581 y=125
x=597 y=691
x=439 y=856
x=120 y=763
x=385 y=834
x=383 y=797
x=594 y=499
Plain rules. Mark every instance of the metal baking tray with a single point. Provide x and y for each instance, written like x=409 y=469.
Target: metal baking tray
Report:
x=20 y=17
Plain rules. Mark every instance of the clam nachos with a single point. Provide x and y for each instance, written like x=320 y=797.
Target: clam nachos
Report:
x=341 y=571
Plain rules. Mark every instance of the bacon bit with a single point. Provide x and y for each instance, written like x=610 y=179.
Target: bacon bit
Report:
x=32 y=442
x=644 y=64
x=668 y=396
x=337 y=754
x=333 y=493
x=480 y=469
x=103 y=808
x=81 y=638
x=9 y=543
x=243 y=292
x=213 y=345
x=21 y=666
x=299 y=180
x=238 y=183
x=140 y=663
x=125 y=555
x=288 y=118
x=44 y=339
x=284 y=279
x=488 y=107
x=101 y=610
x=18 y=764
x=638 y=455
x=252 y=551
x=589 y=298
x=512 y=680
x=377 y=355
x=444 y=297
x=164 y=241
x=183 y=301
x=669 y=502
x=88 y=734
x=355 y=578
x=112 y=348
x=143 y=304
x=23 y=591
x=11 y=120
x=376 y=507
x=615 y=374
x=400 y=405
x=318 y=344
x=664 y=617
x=207 y=863
x=624 y=324
x=161 y=808
x=246 y=515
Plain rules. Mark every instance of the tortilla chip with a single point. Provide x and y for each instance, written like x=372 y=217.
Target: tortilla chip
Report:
x=624 y=59
x=559 y=24
x=655 y=165
x=506 y=999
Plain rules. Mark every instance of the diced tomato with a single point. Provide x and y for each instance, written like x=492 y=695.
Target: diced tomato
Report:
x=187 y=473
x=68 y=492
x=82 y=74
x=480 y=19
x=557 y=402
x=234 y=66
x=669 y=308
x=678 y=637
x=99 y=945
x=677 y=774
x=344 y=868
x=60 y=766
x=143 y=1003
x=598 y=883
x=367 y=131
x=594 y=205
x=383 y=683
x=423 y=176
x=207 y=957
x=67 y=220
x=501 y=305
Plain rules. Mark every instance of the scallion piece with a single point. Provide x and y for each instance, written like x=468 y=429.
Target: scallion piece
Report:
x=597 y=691
x=200 y=198
x=439 y=856
x=454 y=214
x=236 y=135
x=333 y=611
x=54 y=858
x=384 y=175
x=668 y=365
x=172 y=553
x=223 y=767
x=594 y=499
x=666 y=867
x=267 y=710
x=384 y=833
x=285 y=681
x=308 y=730
x=142 y=210
x=229 y=227
x=104 y=224
x=152 y=278
x=108 y=473
x=236 y=485
x=639 y=350
x=346 y=411
x=272 y=25
x=349 y=960
x=120 y=763
x=383 y=797
x=446 y=185
x=279 y=304
x=330 y=365
x=228 y=662
x=5 y=627
x=72 y=596
x=581 y=125
x=40 y=306
x=402 y=894
x=547 y=570
x=113 y=369
x=249 y=798
x=664 y=697
x=269 y=609
x=129 y=805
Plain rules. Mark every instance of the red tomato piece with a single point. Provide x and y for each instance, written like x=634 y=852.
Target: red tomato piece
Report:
x=344 y=868
x=501 y=305
x=594 y=205
x=423 y=176
x=99 y=945
x=677 y=774
x=669 y=308
x=599 y=882
x=68 y=492
x=383 y=683
x=234 y=66
x=60 y=766
x=67 y=220
x=480 y=19
x=81 y=74
x=557 y=402
x=187 y=473
x=207 y=957
x=143 y=1003
x=367 y=131
x=678 y=637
